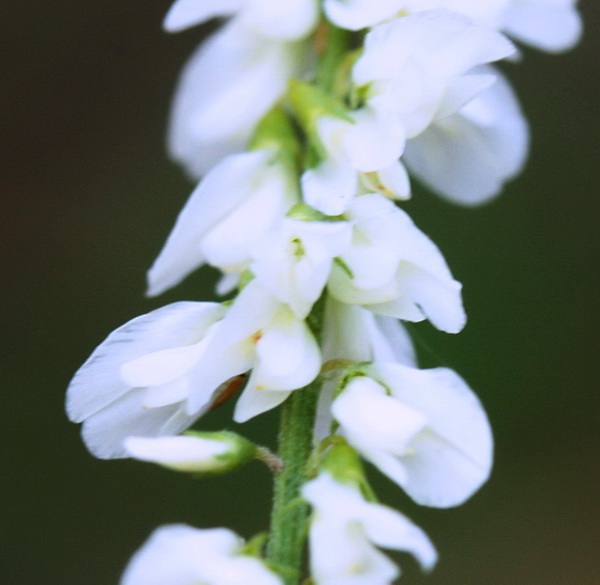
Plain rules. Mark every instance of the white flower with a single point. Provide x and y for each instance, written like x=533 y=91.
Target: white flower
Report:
x=467 y=157
x=289 y=20
x=113 y=407
x=393 y=269
x=414 y=71
x=425 y=429
x=351 y=335
x=550 y=25
x=279 y=347
x=236 y=203
x=368 y=144
x=160 y=372
x=294 y=261
x=194 y=452
x=345 y=531
x=226 y=87
x=181 y=555
x=419 y=68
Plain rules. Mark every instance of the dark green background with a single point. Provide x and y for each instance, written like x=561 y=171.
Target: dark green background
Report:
x=87 y=199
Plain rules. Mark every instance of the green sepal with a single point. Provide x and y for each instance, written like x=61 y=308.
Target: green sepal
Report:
x=304 y=212
x=255 y=546
x=276 y=133
x=344 y=465
x=310 y=103
x=240 y=451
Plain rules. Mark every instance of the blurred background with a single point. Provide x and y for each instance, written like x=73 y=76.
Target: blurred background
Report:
x=88 y=197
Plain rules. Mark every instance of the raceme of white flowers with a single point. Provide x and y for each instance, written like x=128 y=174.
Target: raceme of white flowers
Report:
x=305 y=124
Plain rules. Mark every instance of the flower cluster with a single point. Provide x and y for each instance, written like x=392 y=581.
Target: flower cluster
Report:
x=304 y=125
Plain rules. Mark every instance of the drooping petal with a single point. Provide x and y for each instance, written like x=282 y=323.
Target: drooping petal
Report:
x=389 y=529
x=434 y=53
x=220 y=192
x=230 y=243
x=343 y=517
x=287 y=354
x=453 y=457
x=180 y=555
x=187 y=13
x=290 y=20
x=468 y=156
x=254 y=401
x=358 y=14
x=375 y=420
x=98 y=382
x=550 y=25
x=105 y=431
x=207 y=122
x=394 y=269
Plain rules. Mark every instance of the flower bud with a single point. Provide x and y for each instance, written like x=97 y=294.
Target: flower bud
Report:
x=207 y=453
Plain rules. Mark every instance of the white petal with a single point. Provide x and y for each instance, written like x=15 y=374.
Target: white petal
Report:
x=330 y=186
x=207 y=122
x=371 y=418
x=287 y=355
x=186 y=13
x=175 y=391
x=98 y=383
x=293 y=263
x=229 y=244
x=181 y=555
x=345 y=332
x=161 y=367
x=221 y=191
x=398 y=342
x=467 y=157
x=290 y=20
x=454 y=457
x=182 y=452
x=104 y=432
x=373 y=143
x=231 y=350
x=343 y=517
x=253 y=402
x=389 y=529
x=550 y=25
x=358 y=14
x=395 y=180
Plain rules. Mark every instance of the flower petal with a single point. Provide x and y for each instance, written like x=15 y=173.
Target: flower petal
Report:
x=182 y=452
x=187 y=13
x=98 y=382
x=219 y=193
x=552 y=26
x=206 y=120
x=467 y=157
x=454 y=456
x=104 y=432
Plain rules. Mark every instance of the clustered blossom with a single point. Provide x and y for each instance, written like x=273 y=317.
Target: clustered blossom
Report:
x=296 y=206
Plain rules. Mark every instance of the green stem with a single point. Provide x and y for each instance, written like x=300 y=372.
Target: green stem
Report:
x=290 y=513
x=336 y=50
x=289 y=517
